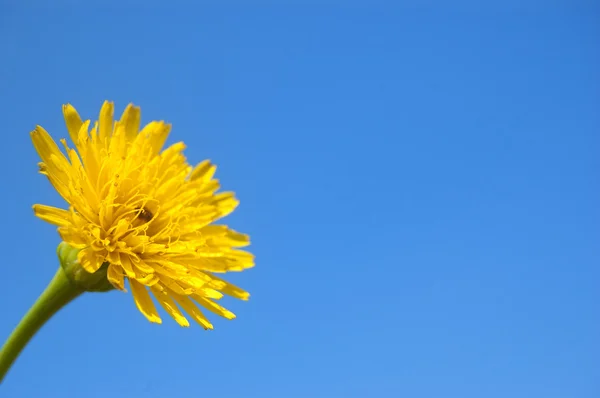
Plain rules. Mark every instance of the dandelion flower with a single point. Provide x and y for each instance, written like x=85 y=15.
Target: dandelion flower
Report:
x=143 y=214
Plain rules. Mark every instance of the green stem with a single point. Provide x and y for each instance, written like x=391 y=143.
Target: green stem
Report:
x=58 y=293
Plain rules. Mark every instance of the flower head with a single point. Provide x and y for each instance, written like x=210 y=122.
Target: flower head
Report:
x=146 y=214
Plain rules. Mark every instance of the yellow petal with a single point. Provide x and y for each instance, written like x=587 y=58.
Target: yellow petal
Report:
x=214 y=307
x=73 y=237
x=230 y=260
x=143 y=301
x=73 y=122
x=127 y=265
x=147 y=279
x=229 y=288
x=89 y=154
x=53 y=158
x=156 y=134
x=89 y=260
x=220 y=235
x=204 y=171
x=169 y=305
x=210 y=293
x=105 y=123
x=174 y=286
x=225 y=202
x=193 y=310
x=142 y=266
x=53 y=215
x=115 y=276
x=130 y=120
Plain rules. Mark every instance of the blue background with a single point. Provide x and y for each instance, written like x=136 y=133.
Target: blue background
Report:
x=420 y=183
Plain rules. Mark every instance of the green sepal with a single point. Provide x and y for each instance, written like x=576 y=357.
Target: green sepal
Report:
x=89 y=282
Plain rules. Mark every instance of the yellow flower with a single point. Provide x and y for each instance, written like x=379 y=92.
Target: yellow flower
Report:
x=147 y=214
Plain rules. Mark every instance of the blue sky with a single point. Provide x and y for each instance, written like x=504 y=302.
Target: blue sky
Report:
x=420 y=184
